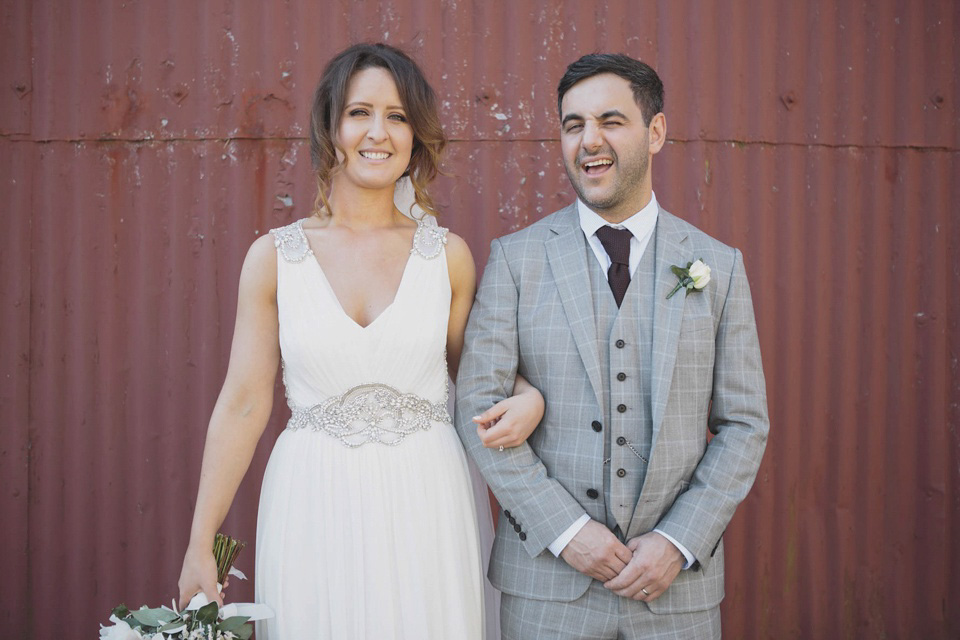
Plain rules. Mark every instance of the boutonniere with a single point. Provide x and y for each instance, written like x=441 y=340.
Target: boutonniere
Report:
x=694 y=276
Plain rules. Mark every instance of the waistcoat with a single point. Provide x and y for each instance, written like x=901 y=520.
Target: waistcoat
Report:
x=625 y=341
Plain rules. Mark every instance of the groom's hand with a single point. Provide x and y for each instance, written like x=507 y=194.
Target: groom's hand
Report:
x=596 y=552
x=655 y=564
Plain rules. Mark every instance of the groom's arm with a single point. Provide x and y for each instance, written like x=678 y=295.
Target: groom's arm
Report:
x=542 y=508
x=739 y=420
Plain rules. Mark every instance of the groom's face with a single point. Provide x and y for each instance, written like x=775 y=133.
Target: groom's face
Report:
x=606 y=146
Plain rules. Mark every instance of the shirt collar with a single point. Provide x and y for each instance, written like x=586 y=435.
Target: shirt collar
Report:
x=639 y=224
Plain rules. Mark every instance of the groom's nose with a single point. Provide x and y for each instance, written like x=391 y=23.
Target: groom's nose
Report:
x=592 y=138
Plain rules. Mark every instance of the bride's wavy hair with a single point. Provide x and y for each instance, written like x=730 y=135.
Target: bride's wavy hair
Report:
x=419 y=104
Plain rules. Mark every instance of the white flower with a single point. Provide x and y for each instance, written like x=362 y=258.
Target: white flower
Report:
x=700 y=274
x=119 y=631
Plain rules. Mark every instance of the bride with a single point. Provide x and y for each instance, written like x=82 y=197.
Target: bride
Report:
x=367 y=525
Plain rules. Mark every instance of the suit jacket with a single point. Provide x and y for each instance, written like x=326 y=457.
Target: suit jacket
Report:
x=534 y=314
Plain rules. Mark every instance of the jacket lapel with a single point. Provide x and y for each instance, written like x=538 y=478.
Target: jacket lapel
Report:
x=567 y=256
x=667 y=314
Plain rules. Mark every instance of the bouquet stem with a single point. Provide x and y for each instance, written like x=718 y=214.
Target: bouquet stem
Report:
x=225 y=552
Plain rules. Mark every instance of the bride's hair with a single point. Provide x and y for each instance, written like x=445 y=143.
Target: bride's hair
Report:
x=419 y=103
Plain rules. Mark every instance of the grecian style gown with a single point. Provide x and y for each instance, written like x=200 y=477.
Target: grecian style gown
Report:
x=367 y=526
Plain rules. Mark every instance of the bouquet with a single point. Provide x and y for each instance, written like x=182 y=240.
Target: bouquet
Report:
x=199 y=620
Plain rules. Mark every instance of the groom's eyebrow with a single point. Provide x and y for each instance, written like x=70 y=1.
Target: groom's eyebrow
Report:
x=612 y=113
x=606 y=115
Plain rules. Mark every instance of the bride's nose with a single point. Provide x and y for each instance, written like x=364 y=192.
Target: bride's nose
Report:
x=377 y=132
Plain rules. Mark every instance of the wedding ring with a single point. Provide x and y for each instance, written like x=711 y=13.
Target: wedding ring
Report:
x=501 y=448
x=645 y=592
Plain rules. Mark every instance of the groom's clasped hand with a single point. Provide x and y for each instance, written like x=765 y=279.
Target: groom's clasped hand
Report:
x=642 y=569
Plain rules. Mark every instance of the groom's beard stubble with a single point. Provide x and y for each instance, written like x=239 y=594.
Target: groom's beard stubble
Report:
x=630 y=174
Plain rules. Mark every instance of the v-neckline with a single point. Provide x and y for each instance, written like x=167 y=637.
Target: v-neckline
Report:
x=333 y=293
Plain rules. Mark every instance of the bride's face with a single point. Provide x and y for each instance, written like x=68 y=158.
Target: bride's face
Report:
x=374 y=138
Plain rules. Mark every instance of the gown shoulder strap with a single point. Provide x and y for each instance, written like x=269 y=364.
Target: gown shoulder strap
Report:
x=291 y=242
x=429 y=238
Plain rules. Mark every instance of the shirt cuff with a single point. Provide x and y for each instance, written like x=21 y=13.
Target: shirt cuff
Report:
x=686 y=554
x=558 y=545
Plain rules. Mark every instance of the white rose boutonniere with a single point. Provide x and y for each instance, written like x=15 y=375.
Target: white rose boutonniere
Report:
x=693 y=277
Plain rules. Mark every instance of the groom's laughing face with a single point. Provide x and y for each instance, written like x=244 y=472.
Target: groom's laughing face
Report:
x=606 y=146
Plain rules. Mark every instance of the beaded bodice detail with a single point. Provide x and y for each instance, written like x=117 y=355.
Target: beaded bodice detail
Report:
x=375 y=384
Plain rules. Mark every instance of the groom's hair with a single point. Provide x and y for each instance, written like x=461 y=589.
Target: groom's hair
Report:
x=644 y=81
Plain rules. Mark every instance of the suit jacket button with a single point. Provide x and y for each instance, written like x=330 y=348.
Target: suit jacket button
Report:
x=593 y=494
x=621 y=473
x=512 y=520
x=621 y=441
x=621 y=376
x=596 y=426
x=517 y=528
x=523 y=536
x=620 y=344
x=506 y=513
x=622 y=408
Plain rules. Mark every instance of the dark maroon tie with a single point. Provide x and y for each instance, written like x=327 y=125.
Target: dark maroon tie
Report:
x=616 y=242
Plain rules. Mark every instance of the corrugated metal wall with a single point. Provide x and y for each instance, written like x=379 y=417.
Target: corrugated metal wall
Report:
x=144 y=145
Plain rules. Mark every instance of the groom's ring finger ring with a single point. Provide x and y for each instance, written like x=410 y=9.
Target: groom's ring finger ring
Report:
x=645 y=592
x=501 y=448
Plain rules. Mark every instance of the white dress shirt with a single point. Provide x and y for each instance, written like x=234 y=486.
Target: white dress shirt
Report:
x=641 y=225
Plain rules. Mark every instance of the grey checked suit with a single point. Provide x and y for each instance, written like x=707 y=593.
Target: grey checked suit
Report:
x=536 y=313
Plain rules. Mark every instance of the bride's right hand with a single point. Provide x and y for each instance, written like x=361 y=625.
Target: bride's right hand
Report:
x=199 y=573
x=511 y=421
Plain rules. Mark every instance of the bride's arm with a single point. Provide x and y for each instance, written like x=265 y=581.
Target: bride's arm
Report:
x=463 y=287
x=511 y=421
x=239 y=417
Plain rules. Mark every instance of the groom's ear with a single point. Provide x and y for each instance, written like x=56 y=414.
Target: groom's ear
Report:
x=658 y=132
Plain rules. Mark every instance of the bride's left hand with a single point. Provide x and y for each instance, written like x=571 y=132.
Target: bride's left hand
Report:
x=511 y=421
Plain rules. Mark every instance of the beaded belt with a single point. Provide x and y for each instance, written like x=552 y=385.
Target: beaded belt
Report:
x=370 y=413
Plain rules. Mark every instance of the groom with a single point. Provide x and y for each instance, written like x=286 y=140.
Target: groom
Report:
x=615 y=508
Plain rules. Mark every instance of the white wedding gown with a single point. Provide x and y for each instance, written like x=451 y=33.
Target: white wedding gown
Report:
x=367 y=525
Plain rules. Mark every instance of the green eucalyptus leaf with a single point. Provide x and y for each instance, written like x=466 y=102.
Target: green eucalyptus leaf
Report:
x=207 y=614
x=153 y=617
x=173 y=624
x=678 y=271
x=121 y=611
x=232 y=623
x=244 y=632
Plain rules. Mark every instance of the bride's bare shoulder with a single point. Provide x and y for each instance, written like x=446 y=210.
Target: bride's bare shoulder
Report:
x=463 y=271
x=259 y=272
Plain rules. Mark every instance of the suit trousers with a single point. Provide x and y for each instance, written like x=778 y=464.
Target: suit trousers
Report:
x=600 y=614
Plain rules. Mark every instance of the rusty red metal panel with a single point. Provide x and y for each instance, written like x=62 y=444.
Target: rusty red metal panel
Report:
x=15 y=68
x=805 y=73
x=16 y=167
x=146 y=145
